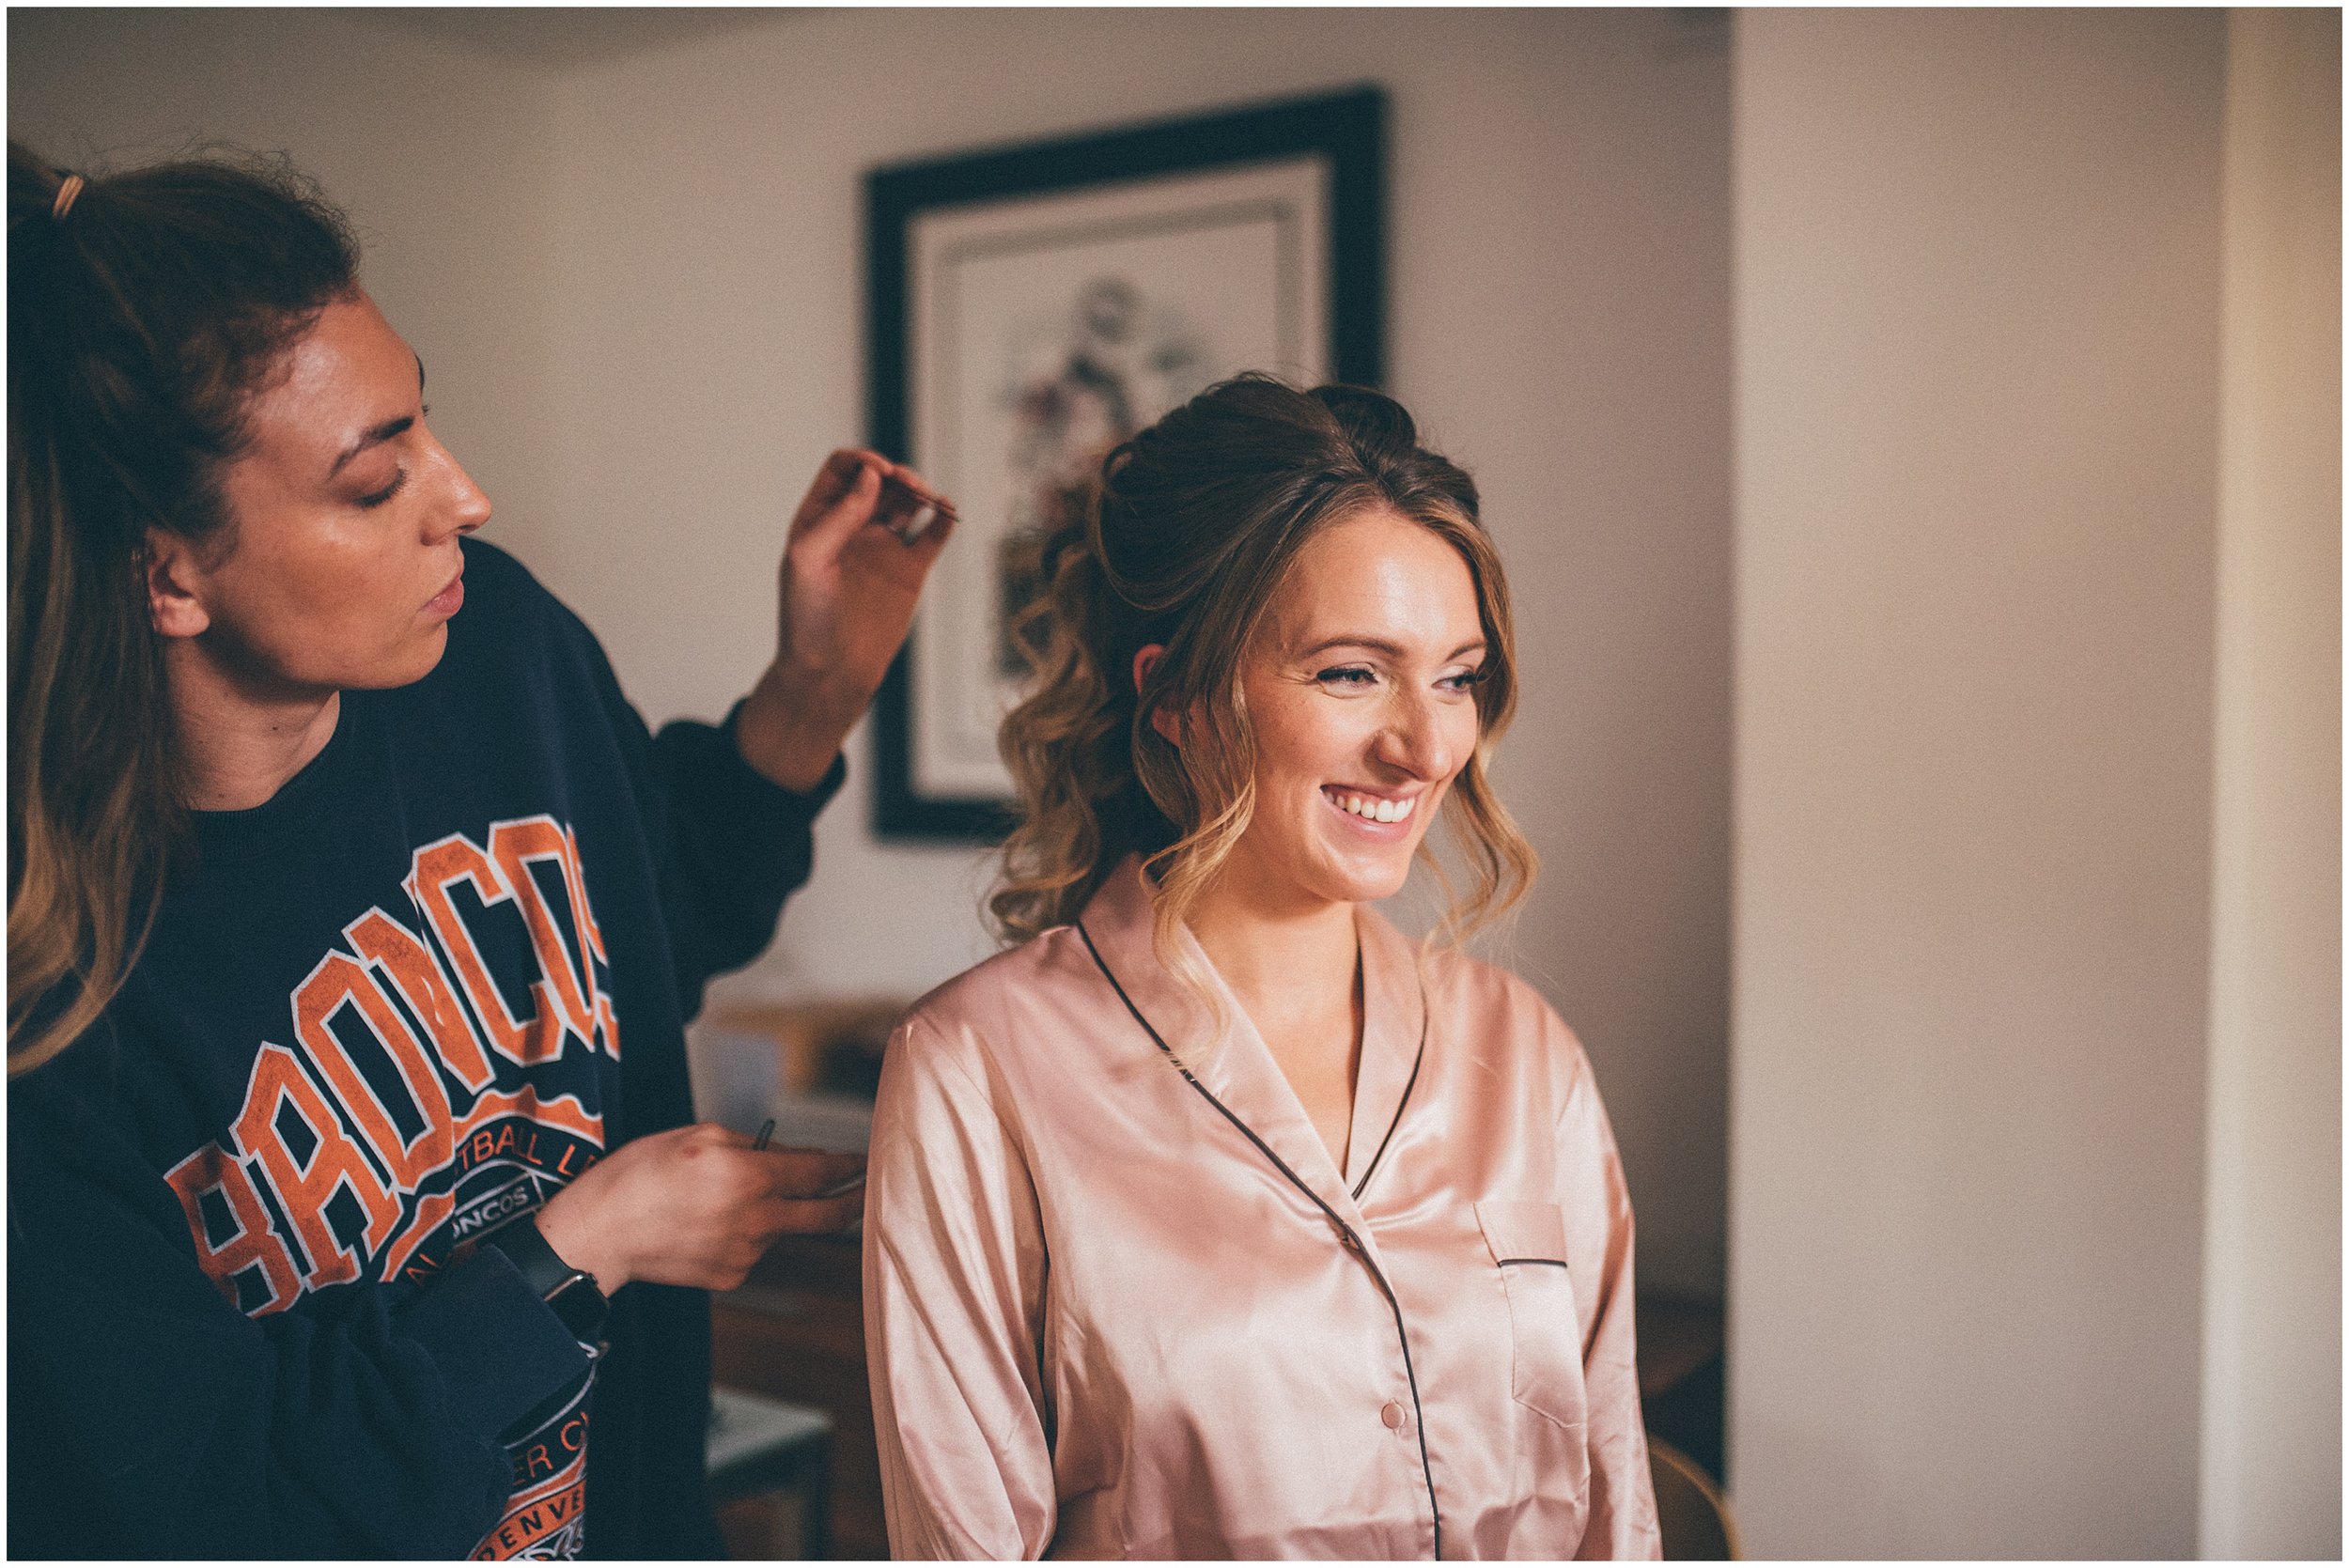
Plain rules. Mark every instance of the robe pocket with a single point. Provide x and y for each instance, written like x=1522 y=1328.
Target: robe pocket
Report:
x=1528 y=1243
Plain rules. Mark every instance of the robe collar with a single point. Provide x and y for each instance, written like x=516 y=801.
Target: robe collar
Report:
x=1237 y=1068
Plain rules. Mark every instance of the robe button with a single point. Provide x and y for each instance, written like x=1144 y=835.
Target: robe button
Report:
x=1345 y=1239
x=1392 y=1415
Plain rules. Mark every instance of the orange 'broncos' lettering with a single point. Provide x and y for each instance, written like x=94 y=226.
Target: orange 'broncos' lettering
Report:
x=213 y=1169
x=514 y=846
x=429 y=1006
x=305 y=1186
x=341 y=980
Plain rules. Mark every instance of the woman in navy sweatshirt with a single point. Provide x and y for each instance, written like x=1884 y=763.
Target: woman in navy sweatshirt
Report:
x=354 y=918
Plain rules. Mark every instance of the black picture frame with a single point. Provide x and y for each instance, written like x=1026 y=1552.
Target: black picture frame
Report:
x=1347 y=130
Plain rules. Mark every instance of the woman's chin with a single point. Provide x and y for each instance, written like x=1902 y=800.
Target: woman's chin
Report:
x=1366 y=878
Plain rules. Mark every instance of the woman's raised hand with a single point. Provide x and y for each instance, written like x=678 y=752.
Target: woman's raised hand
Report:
x=695 y=1207
x=849 y=585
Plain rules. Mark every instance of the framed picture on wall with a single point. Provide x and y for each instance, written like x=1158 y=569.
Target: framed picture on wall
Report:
x=1032 y=306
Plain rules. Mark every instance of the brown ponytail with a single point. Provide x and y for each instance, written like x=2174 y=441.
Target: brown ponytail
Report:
x=145 y=310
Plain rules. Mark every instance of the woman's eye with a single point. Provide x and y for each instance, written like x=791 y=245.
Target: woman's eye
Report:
x=1346 y=675
x=1465 y=681
x=376 y=498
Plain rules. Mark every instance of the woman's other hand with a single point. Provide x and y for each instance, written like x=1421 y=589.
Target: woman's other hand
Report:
x=695 y=1207
x=849 y=582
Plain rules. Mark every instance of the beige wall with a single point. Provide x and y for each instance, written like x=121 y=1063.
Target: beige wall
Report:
x=2271 y=1368
x=1978 y=341
x=638 y=284
x=1560 y=274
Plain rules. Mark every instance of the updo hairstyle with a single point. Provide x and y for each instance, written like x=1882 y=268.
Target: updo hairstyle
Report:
x=1196 y=523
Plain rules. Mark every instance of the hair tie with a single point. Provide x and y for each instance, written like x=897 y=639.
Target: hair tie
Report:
x=66 y=193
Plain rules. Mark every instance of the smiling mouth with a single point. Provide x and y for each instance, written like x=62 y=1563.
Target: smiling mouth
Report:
x=1371 y=808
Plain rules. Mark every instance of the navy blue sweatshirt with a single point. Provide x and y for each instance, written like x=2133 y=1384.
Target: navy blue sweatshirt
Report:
x=444 y=969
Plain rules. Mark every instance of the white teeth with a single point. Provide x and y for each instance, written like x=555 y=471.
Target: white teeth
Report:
x=1376 y=811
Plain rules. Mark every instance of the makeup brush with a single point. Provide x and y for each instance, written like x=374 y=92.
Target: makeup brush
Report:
x=921 y=505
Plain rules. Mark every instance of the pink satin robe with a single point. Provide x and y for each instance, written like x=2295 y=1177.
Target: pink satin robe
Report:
x=1114 y=1310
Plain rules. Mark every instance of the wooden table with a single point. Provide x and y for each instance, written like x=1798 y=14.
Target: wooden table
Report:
x=796 y=1331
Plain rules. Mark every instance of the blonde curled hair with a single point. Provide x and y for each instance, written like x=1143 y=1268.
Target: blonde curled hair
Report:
x=1194 y=525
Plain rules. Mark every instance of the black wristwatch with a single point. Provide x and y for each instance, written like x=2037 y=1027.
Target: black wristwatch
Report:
x=574 y=1294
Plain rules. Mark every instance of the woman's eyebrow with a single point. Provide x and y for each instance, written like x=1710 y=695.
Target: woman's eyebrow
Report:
x=380 y=433
x=1380 y=645
x=374 y=437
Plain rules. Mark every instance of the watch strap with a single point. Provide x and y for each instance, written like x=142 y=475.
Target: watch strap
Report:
x=571 y=1292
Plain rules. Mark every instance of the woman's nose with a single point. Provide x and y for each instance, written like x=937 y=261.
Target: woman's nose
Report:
x=464 y=507
x=1413 y=740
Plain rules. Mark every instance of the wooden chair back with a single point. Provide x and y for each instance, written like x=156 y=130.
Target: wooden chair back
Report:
x=1697 y=1522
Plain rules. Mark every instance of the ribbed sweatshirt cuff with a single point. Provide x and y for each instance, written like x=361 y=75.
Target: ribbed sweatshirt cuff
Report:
x=500 y=1349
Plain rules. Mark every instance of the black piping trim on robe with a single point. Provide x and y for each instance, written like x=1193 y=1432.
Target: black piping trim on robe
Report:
x=1354 y=1243
x=1417 y=1059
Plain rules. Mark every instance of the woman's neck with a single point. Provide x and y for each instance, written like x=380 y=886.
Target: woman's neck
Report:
x=1295 y=966
x=236 y=740
x=1282 y=958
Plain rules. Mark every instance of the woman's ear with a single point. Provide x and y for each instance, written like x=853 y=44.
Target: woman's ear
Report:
x=171 y=601
x=1146 y=660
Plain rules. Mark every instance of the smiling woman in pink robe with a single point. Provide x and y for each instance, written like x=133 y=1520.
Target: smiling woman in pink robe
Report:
x=1119 y=1310
x=1145 y=1279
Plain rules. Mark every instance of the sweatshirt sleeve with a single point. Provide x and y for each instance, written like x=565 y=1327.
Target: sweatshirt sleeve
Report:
x=953 y=1272
x=155 y=1419
x=731 y=845
x=1597 y=1205
x=728 y=845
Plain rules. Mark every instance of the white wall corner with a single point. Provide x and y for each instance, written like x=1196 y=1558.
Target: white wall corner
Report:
x=2271 y=1449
